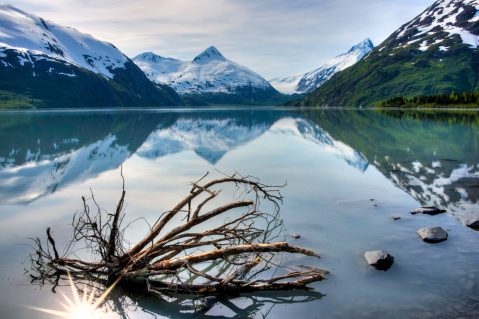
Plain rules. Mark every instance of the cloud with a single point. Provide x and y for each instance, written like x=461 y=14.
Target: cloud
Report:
x=272 y=37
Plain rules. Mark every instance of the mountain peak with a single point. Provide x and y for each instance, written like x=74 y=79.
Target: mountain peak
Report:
x=147 y=55
x=151 y=57
x=366 y=44
x=212 y=77
x=210 y=54
x=308 y=82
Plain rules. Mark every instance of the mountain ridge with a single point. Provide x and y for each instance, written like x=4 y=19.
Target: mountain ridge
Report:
x=210 y=77
x=309 y=81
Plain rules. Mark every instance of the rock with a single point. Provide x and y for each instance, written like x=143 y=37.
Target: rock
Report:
x=395 y=217
x=379 y=259
x=428 y=210
x=296 y=236
x=473 y=223
x=432 y=235
x=208 y=302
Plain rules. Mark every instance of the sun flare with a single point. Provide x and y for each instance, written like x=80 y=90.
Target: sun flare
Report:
x=81 y=305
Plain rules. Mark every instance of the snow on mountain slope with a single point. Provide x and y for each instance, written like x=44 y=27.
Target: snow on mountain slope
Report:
x=310 y=81
x=444 y=23
x=209 y=72
x=316 y=78
x=35 y=38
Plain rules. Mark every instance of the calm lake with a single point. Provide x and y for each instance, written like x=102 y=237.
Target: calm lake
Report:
x=347 y=172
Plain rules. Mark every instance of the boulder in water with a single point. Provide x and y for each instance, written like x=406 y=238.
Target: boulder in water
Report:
x=379 y=259
x=432 y=235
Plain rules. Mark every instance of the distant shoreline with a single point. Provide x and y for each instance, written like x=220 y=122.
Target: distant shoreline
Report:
x=238 y=108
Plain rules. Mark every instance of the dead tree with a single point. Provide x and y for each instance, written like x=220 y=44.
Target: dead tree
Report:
x=196 y=247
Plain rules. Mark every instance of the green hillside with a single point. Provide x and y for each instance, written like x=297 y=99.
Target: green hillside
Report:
x=421 y=58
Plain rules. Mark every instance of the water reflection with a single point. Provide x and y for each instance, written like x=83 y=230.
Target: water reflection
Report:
x=433 y=156
x=335 y=162
x=59 y=149
x=245 y=306
x=40 y=153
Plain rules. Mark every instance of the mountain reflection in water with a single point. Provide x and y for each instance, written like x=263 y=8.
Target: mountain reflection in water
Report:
x=43 y=152
x=76 y=147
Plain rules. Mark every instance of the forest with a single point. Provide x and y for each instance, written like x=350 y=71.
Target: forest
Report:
x=463 y=99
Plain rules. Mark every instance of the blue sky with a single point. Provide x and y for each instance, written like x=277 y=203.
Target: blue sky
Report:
x=272 y=37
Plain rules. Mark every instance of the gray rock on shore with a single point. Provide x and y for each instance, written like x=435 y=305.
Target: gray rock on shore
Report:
x=432 y=235
x=379 y=259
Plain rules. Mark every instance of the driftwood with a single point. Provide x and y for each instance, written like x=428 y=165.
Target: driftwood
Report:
x=196 y=247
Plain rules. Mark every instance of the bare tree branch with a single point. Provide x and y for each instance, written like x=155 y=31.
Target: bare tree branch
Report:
x=228 y=248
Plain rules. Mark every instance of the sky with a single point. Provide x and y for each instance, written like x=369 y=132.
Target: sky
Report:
x=272 y=37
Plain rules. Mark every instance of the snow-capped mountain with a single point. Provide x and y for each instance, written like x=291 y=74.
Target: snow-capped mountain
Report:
x=208 y=75
x=34 y=50
x=33 y=37
x=434 y=53
x=308 y=82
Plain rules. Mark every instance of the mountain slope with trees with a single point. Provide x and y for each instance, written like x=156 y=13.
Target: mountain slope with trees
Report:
x=434 y=53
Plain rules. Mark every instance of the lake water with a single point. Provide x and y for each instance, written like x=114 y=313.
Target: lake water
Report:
x=347 y=171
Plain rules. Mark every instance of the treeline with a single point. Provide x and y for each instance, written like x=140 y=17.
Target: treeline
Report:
x=470 y=99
